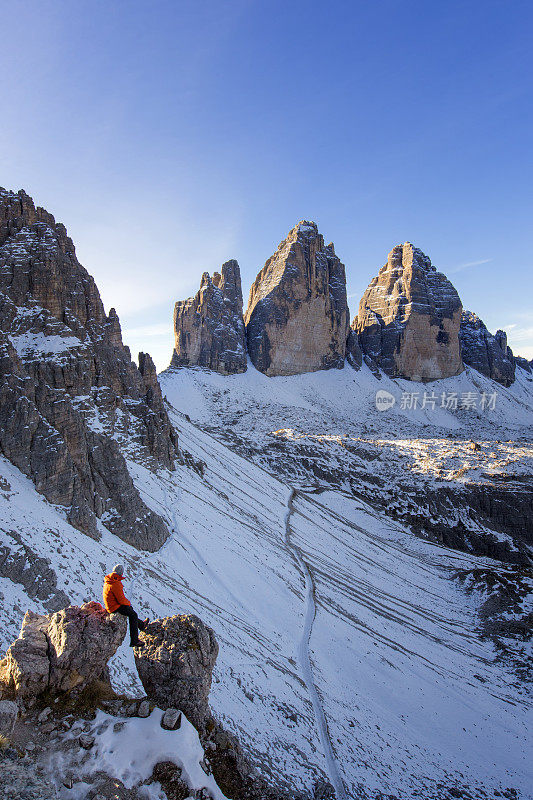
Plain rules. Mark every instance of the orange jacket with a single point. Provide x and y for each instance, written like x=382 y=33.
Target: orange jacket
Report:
x=114 y=593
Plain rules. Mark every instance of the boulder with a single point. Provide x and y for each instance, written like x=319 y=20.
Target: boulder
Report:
x=489 y=354
x=409 y=318
x=209 y=327
x=62 y=651
x=70 y=395
x=176 y=665
x=297 y=318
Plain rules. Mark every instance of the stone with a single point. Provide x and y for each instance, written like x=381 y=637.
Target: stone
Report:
x=69 y=391
x=486 y=353
x=62 y=651
x=86 y=741
x=409 y=318
x=8 y=716
x=297 y=318
x=144 y=709
x=171 y=719
x=209 y=327
x=45 y=713
x=176 y=665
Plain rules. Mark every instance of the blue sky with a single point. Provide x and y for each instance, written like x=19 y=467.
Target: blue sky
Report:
x=172 y=136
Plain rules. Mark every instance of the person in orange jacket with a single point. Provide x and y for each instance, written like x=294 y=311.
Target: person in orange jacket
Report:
x=116 y=602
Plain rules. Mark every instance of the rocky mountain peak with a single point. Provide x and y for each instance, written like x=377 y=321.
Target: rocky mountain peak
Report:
x=70 y=391
x=209 y=327
x=297 y=316
x=487 y=353
x=409 y=317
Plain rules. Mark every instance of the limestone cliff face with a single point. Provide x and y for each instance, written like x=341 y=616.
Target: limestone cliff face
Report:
x=297 y=318
x=209 y=327
x=409 y=318
x=72 y=403
x=489 y=354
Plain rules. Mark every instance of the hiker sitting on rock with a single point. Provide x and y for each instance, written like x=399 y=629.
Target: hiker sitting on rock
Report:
x=116 y=603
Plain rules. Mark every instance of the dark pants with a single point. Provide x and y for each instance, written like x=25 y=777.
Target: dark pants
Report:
x=136 y=624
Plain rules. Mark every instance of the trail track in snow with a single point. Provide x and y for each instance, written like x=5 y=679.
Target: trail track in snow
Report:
x=304 y=658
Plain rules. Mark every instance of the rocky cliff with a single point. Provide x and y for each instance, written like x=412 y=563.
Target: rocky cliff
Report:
x=209 y=327
x=62 y=659
x=297 y=318
x=409 y=317
x=489 y=354
x=60 y=652
x=72 y=402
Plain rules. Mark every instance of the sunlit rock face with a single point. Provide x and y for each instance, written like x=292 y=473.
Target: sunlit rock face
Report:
x=489 y=354
x=56 y=653
x=297 y=318
x=209 y=327
x=409 y=318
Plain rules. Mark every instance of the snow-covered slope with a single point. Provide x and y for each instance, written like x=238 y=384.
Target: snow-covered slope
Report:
x=348 y=647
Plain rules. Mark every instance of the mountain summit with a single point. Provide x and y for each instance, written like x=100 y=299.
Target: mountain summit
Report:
x=297 y=315
x=409 y=317
x=70 y=391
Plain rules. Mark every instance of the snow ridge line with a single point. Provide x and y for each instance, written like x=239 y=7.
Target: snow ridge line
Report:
x=304 y=657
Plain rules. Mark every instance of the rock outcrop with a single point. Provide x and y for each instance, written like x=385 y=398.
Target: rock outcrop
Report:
x=176 y=665
x=297 y=318
x=59 y=652
x=354 y=353
x=409 y=318
x=489 y=354
x=209 y=327
x=72 y=403
x=8 y=717
x=524 y=364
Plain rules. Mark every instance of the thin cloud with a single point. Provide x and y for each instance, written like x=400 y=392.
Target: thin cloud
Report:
x=469 y=264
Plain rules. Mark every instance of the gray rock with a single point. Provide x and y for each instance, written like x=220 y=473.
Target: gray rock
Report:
x=524 y=364
x=489 y=354
x=176 y=664
x=68 y=384
x=8 y=716
x=297 y=316
x=144 y=709
x=209 y=327
x=171 y=718
x=409 y=317
x=86 y=741
x=45 y=713
x=21 y=564
x=61 y=651
x=354 y=353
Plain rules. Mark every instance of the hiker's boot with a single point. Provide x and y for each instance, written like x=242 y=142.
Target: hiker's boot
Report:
x=138 y=644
